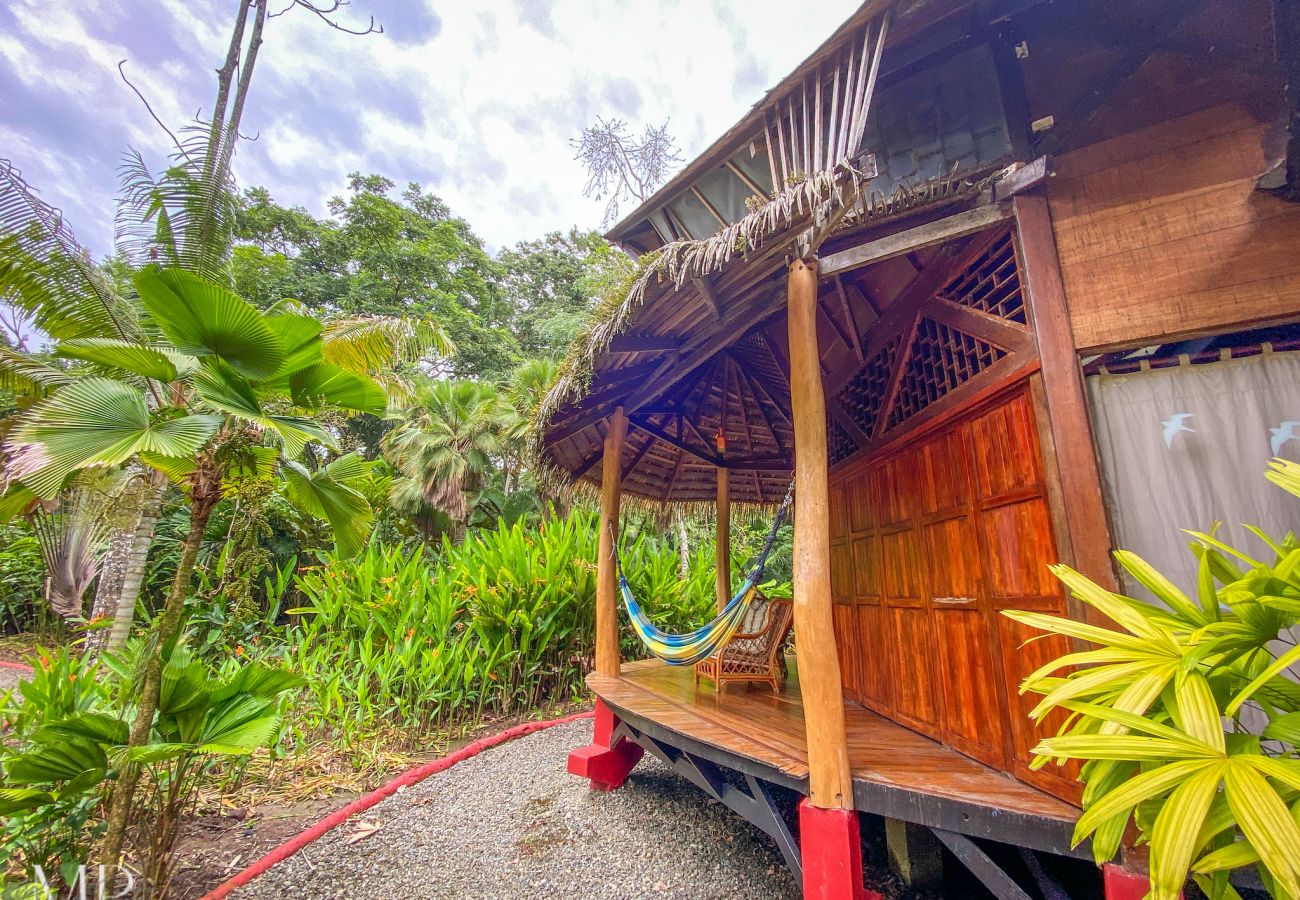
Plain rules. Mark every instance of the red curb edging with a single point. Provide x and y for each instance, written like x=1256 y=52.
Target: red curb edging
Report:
x=414 y=776
x=22 y=667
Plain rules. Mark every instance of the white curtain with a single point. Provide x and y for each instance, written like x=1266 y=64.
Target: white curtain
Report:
x=1186 y=447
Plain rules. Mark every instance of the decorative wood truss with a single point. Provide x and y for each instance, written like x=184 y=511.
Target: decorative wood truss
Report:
x=924 y=357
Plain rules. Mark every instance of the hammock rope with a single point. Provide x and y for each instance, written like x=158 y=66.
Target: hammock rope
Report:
x=691 y=647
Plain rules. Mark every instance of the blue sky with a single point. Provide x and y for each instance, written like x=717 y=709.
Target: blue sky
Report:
x=475 y=100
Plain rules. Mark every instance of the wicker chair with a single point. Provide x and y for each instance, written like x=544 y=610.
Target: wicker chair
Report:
x=755 y=652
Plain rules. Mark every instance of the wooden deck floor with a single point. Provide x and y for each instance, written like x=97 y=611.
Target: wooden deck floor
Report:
x=896 y=771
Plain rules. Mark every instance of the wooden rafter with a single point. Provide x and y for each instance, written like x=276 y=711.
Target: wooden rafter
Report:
x=761 y=406
x=854 y=333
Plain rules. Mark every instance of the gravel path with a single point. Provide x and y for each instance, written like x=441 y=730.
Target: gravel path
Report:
x=9 y=678
x=512 y=823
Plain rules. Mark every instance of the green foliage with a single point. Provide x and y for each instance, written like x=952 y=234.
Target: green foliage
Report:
x=68 y=740
x=22 y=574
x=496 y=625
x=379 y=254
x=1188 y=718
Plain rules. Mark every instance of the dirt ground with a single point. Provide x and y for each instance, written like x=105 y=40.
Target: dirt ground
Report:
x=214 y=848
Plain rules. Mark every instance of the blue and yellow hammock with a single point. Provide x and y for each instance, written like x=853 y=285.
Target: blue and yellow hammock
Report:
x=688 y=649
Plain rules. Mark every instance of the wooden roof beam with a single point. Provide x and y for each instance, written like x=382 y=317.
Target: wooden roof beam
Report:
x=705 y=287
x=672 y=372
x=650 y=428
x=644 y=343
x=927 y=235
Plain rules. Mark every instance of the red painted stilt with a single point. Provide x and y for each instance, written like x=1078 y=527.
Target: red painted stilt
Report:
x=602 y=762
x=831 y=849
x=1124 y=884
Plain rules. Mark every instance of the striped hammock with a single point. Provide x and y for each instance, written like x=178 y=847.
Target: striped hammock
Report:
x=688 y=649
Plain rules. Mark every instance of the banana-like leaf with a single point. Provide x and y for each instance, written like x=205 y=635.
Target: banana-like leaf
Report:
x=138 y=359
x=97 y=421
x=16 y=800
x=320 y=494
x=64 y=760
x=203 y=318
x=326 y=385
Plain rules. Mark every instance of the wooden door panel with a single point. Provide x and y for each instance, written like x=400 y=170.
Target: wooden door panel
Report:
x=841 y=571
x=860 y=503
x=945 y=481
x=875 y=658
x=867 y=569
x=1020 y=657
x=1004 y=441
x=917 y=700
x=904 y=581
x=953 y=562
x=1019 y=547
x=839 y=497
x=972 y=706
x=846 y=646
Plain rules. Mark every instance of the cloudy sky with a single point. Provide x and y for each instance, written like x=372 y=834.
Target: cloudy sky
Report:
x=477 y=101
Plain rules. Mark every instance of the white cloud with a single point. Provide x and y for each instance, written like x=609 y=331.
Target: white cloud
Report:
x=479 y=107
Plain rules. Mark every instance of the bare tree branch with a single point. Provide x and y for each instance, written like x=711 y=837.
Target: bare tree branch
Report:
x=325 y=12
x=621 y=165
x=121 y=70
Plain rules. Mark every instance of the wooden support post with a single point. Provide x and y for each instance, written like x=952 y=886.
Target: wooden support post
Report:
x=722 y=552
x=830 y=781
x=611 y=488
x=1067 y=407
x=914 y=853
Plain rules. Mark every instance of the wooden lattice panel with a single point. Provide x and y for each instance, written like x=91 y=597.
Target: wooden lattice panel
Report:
x=864 y=396
x=941 y=358
x=991 y=283
x=839 y=443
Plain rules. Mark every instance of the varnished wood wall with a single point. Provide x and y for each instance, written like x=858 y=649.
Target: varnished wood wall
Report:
x=1162 y=234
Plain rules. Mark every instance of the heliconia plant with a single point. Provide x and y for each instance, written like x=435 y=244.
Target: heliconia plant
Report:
x=497 y=625
x=1186 y=715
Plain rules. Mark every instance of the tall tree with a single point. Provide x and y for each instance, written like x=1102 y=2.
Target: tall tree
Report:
x=551 y=285
x=381 y=254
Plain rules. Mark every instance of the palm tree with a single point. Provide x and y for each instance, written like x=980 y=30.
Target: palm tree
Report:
x=233 y=387
x=445 y=444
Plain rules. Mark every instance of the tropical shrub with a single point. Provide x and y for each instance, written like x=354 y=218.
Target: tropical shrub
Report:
x=1187 y=716
x=70 y=740
x=22 y=576
x=406 y=640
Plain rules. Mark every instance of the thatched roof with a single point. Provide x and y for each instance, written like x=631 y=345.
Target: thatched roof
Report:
x=693 y=344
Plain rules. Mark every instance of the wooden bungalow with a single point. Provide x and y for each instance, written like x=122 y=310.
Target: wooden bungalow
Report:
x=913 y=275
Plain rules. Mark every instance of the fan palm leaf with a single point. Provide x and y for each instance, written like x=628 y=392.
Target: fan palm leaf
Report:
x=96 y=422
x=203 y=319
